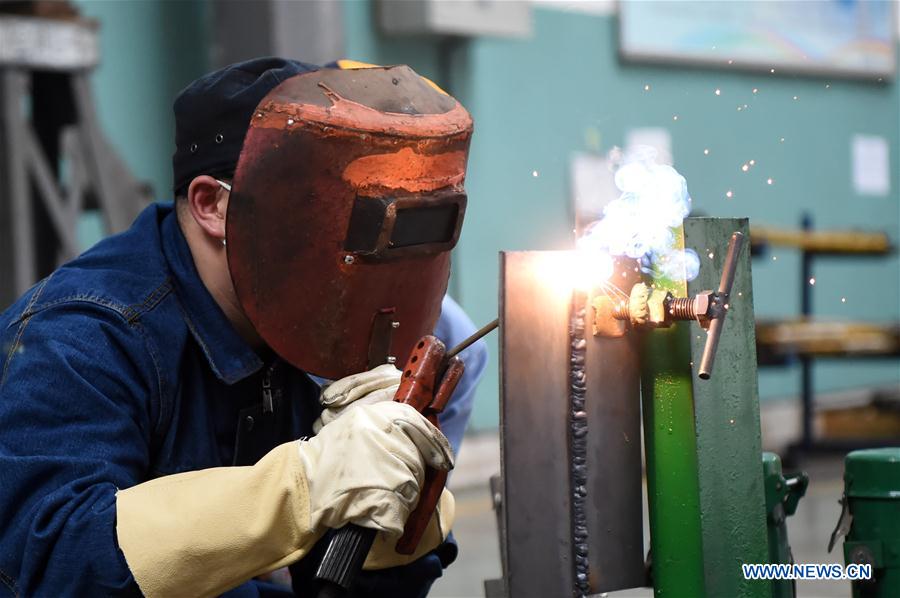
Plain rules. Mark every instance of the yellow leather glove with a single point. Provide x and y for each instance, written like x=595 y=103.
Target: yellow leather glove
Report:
x=204 y=532
x=376 y=385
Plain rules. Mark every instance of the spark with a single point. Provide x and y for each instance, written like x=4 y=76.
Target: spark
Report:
x=795 y=97
x=534 y=173
x=769 y=181
x=706 y=152
x=781 y=140
x=740 y=294
x=812 y=281
x=828 y=86
x=730 y=62
x=739 y=108
x=729 y=194
x=774 y=258
x=745 y=167
x=718 y=92
x=711 y=255
x=843 y=300
x=675 y=117
x=772 y=70
x=755 y=90
x=752 y=162
x=731 y=421
x=647 y=87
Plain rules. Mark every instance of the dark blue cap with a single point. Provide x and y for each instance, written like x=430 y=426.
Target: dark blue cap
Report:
x=213 y=113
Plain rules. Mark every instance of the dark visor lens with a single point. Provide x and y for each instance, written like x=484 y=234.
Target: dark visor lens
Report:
x=382 y=225
x=421 y=225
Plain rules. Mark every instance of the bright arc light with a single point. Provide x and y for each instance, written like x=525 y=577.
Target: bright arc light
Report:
x=593 y=269
x=581 y=270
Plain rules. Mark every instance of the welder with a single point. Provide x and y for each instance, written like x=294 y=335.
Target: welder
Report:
x=160 y=395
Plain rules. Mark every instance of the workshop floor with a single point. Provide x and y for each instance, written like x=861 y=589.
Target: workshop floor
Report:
x=476 y=530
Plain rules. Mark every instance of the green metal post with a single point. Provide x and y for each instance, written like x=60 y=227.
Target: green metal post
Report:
x=671 y=451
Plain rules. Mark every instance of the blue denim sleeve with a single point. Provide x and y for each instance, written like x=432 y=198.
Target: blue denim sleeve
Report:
x=453 y=327
x=75 y=425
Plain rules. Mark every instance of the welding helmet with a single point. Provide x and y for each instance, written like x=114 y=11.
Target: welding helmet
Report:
x=346 y=201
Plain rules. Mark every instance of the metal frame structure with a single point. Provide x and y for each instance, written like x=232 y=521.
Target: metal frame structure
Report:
x=55 y=162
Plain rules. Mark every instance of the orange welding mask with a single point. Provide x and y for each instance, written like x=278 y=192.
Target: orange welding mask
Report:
x=346 y=201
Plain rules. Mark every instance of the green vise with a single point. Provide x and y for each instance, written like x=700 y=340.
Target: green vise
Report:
x=870 y=519
x=782 y=496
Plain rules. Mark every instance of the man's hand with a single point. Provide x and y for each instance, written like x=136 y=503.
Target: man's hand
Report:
x=368 y=466
x=376 y=385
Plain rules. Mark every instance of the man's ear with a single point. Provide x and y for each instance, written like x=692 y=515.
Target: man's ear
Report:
x=208 y=203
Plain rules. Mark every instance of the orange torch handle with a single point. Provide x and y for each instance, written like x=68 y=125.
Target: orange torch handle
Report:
x=435 y=480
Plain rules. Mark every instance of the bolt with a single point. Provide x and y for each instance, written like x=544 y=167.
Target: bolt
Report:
x=349 y=259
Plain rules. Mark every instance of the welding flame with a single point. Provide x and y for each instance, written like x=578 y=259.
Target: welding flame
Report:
x=586 y=272
x=638 y=224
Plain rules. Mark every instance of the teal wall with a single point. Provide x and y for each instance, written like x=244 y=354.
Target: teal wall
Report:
x=150 y=50
x=536 y=101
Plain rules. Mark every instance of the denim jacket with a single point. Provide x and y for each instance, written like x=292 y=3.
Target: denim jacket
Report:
x=119 y=368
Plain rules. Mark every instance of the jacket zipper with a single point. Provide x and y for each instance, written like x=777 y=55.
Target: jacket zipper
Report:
x=268 y=401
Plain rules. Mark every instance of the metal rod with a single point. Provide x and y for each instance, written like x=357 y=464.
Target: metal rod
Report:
x=731 y=263
x=483 y=331
x=807 y=393
x=716 y=324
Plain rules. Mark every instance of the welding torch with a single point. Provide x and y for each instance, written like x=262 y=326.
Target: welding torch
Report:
x=428 y=380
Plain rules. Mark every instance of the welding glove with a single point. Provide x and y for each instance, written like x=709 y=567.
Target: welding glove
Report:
x=203 y=532
x=376 y=385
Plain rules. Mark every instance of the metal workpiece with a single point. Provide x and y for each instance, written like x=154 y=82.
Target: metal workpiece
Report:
x=570 y=431
x=534 y=350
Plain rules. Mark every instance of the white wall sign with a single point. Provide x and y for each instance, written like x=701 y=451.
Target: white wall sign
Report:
x=871 y=165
